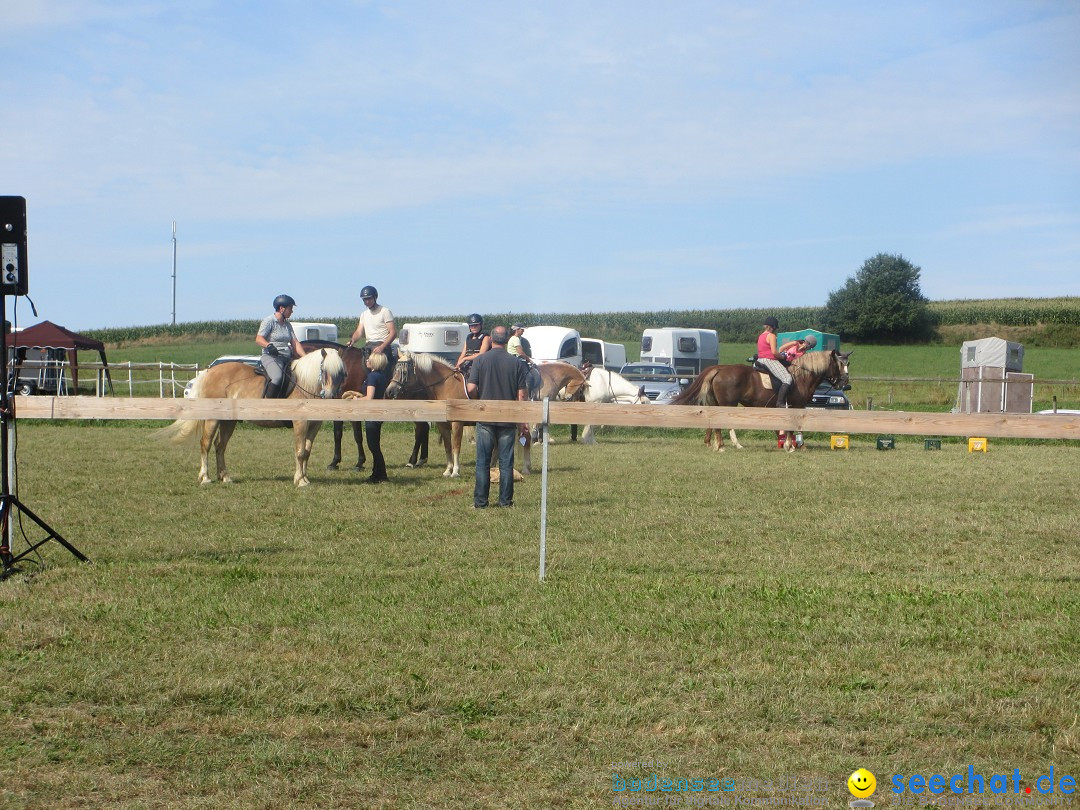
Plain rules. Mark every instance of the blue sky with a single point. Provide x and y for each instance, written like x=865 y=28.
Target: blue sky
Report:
x=539 y=157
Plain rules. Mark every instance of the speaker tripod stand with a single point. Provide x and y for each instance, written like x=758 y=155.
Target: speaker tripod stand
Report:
x=10 y=505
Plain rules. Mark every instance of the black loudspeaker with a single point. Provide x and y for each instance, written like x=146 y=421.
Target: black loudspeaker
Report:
x=13 y=276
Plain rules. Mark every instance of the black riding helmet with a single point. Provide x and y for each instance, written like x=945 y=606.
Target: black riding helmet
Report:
x=771 y=321
x=369 y=292
x=476 y=319
x=283 y=301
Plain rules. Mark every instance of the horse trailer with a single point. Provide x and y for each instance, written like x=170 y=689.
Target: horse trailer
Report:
x=315 y=331
x=554 y=344
x=601 y=354
x=688 y=350
x=443 y=338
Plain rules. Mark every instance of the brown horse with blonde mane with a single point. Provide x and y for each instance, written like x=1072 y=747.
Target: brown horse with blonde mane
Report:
x=317 y=374
x=428 y=376
x=744 y=385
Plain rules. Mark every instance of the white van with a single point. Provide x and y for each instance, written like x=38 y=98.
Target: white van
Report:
x=688 y=350
x=314 y=331
x=554 y=343
x=602 y=354
x=444 y=338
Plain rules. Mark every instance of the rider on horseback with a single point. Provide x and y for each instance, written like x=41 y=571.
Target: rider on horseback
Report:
x=519 y=347
x=476 y=344
x=794 y=349
x=279 y=345
x=769 y=358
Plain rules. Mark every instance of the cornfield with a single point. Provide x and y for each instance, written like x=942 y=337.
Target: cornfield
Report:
x=732 y=325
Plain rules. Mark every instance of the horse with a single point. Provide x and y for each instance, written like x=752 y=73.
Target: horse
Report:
x=315 y=375
x=742 y=385
x=558 y=381
x=356 y=368
x=608 y=386
x=428 y=376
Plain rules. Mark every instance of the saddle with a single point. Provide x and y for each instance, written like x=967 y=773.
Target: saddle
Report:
x=286 y=388
x=767 y=378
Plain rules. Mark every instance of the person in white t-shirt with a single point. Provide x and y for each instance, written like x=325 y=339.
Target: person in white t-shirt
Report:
x=376 y=324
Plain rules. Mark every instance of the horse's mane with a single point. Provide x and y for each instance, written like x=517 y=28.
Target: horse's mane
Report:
x=425 y=362
x=308 y=368
x=813 y=362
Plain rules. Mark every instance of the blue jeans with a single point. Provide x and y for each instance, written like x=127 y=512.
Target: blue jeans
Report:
x=488 y=436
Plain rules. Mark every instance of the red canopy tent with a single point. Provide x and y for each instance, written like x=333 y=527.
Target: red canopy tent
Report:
x=48 y=335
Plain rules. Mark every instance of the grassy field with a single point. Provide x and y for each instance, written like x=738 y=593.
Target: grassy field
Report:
x=940 y=364
x=749 y=615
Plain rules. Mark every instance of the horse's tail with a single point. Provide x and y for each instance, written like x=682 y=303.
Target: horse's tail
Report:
x=699 y=392
x=183 y=429
x=179 y=431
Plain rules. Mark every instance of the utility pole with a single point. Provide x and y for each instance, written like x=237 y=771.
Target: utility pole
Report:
x=174 y=273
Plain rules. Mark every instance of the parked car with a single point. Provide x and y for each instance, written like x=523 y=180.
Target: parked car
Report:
x=659 y=380
x=828 y=397
x=251 y=359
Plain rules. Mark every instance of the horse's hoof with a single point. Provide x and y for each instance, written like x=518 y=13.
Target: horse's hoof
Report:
x=331 y=467
x=358 y=468
x=303 y=482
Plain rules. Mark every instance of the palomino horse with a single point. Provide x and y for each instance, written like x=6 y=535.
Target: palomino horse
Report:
x=558 y=381
x=608 y=386
x=356 y=368
x=315 y=375
x=428 y=376
x=743 y=385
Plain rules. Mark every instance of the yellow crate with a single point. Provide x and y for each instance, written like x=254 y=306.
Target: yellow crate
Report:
x=839 y=442
x=978 y=445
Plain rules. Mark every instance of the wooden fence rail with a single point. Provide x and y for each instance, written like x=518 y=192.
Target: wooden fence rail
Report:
x=1005 y=425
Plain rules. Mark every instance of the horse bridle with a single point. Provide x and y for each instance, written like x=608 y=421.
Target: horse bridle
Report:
x=322 y=394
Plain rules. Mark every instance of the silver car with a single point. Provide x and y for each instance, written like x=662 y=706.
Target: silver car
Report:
x=659 y=380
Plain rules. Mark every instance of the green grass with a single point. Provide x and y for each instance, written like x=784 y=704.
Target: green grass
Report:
x=751 y=614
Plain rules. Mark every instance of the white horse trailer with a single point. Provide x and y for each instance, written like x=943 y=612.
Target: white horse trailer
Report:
x=688 y=350
x=314 y=331
x=554 y=343
x=602 y=354
x=444 y=338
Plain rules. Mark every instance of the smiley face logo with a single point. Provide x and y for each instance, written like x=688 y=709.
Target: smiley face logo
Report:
x=861 y=783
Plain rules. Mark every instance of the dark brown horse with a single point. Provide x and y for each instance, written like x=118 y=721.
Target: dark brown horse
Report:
x=746 y=386
x=357 y=370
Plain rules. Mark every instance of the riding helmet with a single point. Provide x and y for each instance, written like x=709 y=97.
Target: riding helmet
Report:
x=810 y=341
x=476 y=320
x=771 y=321
x=283 y=301
x=369 y=292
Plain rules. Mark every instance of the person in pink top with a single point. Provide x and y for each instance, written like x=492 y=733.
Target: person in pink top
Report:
x=769 y=357
x=794 y=349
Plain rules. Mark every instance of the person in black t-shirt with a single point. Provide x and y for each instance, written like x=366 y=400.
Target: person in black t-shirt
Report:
x=496 y=375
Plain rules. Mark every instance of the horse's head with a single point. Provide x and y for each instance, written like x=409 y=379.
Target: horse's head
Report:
x=838 y=369
x=320 y=374
x=404 y=370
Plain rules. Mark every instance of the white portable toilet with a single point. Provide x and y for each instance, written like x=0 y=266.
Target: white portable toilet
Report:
x=991 y=378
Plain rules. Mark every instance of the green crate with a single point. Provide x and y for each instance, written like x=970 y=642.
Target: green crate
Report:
x=931 y=444
x=886 y=442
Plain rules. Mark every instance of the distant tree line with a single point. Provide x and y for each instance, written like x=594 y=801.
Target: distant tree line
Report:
x=881 y=303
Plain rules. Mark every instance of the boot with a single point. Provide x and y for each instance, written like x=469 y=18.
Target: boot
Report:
x=271 y=391
x=781 y=395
